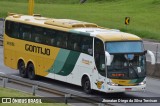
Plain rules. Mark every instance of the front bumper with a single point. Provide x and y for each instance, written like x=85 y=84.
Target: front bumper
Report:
x=137 y=88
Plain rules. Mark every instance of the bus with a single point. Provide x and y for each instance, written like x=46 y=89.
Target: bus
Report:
x=75 y=52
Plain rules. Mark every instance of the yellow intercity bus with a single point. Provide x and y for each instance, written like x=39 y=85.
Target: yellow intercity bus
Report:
x=75 y=52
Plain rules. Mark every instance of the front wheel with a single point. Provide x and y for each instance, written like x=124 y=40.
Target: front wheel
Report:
x=31 y=71
x=22 y=69
x=86 y=85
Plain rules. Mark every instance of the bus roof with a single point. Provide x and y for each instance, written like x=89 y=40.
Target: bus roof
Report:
x=108 y=34
x=86 y=28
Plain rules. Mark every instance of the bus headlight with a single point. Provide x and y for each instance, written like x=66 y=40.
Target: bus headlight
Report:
x=142 y=83
x=112 y=84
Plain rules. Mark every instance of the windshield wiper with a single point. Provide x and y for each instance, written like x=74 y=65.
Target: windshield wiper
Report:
x=132 y=67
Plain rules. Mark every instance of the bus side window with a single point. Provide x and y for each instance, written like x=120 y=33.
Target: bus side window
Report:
x=15 y=32
x=25 y=31
x=8 y=26
x=38 y=35
x=37 y=39
x=52 y=41
x=65 y=39
x=53 y=38
x=62 y=39
x=45 y=38
x=73 y=42
x=12 y=29
x=70 y=42
x=59 y=41
x=87 y=43
x=76 y=46
x=49 y=37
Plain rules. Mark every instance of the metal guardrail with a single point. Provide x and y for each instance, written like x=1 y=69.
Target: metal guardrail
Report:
x=1 y=30
x=1 y=40
x=1 y=37
x=36 y=85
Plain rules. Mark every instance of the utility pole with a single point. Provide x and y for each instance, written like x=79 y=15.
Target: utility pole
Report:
x=31 y=7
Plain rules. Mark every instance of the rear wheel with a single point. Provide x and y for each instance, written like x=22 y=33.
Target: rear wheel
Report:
x=86 y=85
x=31 y=71
x=22 y=69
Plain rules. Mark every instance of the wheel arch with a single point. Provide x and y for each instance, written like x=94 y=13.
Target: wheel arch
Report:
x=20 y=60
x=84 y=76
x=31 y=62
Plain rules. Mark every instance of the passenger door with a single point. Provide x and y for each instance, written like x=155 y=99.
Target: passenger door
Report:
x=99 y=57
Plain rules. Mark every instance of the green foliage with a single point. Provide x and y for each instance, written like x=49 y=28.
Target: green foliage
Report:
x=156 y=2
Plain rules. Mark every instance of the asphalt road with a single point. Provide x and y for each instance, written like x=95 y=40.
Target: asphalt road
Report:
x=152 y=89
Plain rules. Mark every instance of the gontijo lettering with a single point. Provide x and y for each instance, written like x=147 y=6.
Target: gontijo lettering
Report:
x=37 y=49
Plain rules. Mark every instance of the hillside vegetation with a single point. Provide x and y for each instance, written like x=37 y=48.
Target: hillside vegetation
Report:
x=144 y=14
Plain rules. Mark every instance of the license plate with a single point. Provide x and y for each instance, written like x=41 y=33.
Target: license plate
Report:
x=128 y=89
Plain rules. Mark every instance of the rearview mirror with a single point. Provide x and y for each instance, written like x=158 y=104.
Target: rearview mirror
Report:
x=108 y=58
x=153 y=60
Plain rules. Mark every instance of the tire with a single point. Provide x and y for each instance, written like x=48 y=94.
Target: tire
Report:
x=86 y=85
x=22 y=69
x=31 y=71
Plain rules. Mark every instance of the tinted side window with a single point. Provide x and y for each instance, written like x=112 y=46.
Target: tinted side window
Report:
x=87 y=45
x=12 y=29
x=61 y=39
x=49 y=37
x=25 y=32
x=38 y=35
x=80 y=43
x=8 y=28
x=74 y=42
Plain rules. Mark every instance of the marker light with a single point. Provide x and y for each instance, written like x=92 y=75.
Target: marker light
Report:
x=142 y=83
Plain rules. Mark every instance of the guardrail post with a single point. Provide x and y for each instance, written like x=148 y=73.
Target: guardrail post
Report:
x=101 y=104
x=66 y=98
x=156 y=53
x=4 y=83
x=34 y=90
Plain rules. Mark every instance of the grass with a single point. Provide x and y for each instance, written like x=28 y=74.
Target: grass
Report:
x=5 y=92
x=144 y=14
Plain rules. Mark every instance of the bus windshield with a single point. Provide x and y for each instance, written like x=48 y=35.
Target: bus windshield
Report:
x=124 y=47
x=128 y=60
